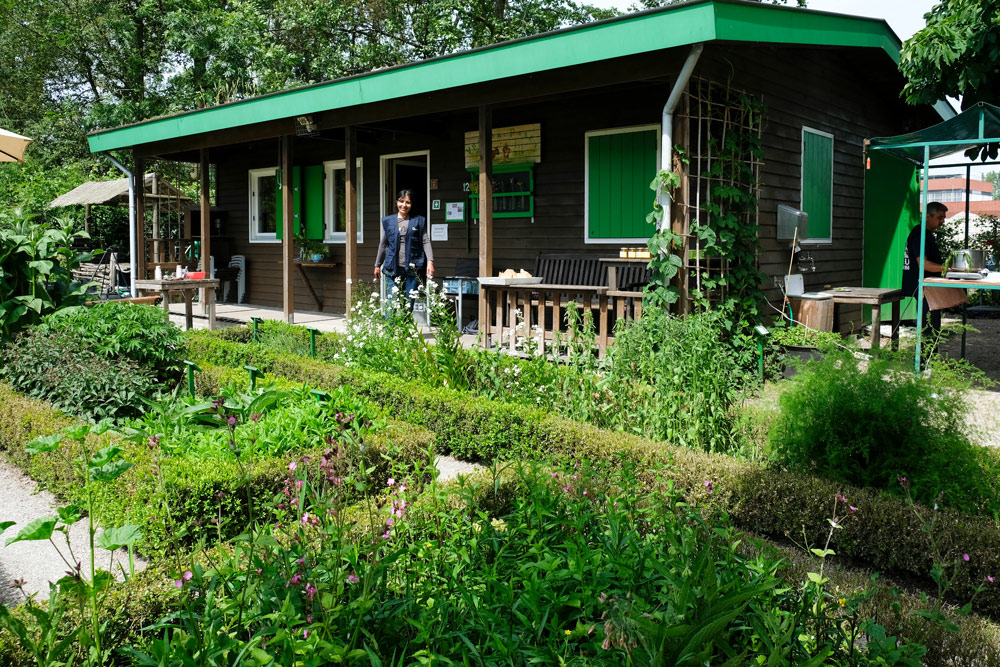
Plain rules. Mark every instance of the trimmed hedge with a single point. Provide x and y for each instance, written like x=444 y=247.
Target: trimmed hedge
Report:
x=198 y=493
x=885 y=533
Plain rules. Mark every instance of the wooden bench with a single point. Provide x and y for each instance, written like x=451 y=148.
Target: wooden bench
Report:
x=624 y=279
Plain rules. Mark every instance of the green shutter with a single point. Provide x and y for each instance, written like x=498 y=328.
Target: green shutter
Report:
x=620 y=168
x=314 y=201
x=296 y=202
x=817 y=183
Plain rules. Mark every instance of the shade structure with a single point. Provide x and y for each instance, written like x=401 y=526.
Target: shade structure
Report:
x=12 y=146
x=976 y=125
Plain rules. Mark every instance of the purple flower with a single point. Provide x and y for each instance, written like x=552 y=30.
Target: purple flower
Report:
x=903 y=482
x=255 y=416
x=708 y=487
x=292 y=466
x=310 y=592
x=852 y=508
x=965 y=557
x=352 y=578
x=305 y=634
x=990 y=578
x=232 y=421
x=840 y=498
x=187 y=575
x=178 y=583
x=390 y=481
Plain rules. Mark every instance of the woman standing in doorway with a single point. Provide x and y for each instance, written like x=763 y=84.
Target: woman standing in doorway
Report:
x=404 y=247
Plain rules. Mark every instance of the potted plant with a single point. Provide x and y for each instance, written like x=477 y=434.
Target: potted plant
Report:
x=312 y=250
x=800 y=344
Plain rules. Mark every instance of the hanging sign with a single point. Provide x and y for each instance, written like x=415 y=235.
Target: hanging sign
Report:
x=518 y=144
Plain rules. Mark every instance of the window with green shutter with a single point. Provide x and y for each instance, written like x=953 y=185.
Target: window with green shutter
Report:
x=620 y=164
x=817 y=184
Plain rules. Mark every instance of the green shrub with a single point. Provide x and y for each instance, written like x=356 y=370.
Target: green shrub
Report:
x=38 y=261
x=61 y=367
x=143 y=334
x=869 y=424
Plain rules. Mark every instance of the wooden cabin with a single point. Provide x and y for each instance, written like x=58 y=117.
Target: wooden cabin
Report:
x=576 y=128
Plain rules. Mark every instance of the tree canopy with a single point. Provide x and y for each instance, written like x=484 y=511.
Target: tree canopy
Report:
x=957 y=54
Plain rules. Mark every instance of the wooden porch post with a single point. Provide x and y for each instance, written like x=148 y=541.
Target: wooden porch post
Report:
x=206 y=220
x=679 y=215
x=288 y=229
x=350 y=218
x=139 y=173
x=485 y=205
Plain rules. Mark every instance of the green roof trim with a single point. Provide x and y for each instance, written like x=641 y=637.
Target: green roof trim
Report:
x=673 y=26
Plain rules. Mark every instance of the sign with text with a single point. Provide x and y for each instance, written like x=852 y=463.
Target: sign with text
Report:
x=518 y=144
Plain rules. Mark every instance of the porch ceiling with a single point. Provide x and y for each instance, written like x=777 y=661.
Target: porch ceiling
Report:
x=635 y=34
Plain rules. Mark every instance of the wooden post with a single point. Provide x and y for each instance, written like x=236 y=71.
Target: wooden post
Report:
x=679 y=217
x=139 y=173
x=155 y=257
x=350 y=218
x=288 y=229
x=206 y=222
x=86 y=218
x=485 y=203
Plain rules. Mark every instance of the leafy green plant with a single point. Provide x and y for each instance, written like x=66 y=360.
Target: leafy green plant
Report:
x=112 y=329
x=36 y=275
x=866 y=424
x=61 y=367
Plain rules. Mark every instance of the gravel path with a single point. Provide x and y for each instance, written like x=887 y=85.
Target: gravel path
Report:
x=39 y=562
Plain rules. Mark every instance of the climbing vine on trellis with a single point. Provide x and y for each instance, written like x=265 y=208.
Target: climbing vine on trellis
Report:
x=712 y=260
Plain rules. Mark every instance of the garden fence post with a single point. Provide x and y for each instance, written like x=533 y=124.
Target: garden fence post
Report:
x=256 y=334
x=761 y=333
x=191 y=368
x=253 y=370
x=312 y=343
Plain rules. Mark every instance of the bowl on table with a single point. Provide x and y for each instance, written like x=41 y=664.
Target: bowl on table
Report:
x=195 y=275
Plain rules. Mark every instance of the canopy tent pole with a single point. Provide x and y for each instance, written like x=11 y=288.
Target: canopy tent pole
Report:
x=920 y=258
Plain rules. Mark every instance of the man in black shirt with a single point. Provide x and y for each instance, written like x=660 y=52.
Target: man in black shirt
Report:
x=932 y=258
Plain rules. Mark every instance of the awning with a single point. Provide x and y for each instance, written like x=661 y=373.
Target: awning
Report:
x=116 y=193
x=12 y=146
x=973 y=127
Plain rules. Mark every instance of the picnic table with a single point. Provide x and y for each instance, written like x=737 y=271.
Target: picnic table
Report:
x=186 y=288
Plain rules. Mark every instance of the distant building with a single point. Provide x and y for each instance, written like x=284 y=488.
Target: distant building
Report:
x=949 y=189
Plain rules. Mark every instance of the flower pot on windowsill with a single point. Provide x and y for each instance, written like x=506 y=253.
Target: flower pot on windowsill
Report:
x=316 y=258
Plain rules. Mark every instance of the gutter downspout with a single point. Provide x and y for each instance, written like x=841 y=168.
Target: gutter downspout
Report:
x=667 y=123
x=133 y=250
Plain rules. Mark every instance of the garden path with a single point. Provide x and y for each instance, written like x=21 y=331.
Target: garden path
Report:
x=39 y=562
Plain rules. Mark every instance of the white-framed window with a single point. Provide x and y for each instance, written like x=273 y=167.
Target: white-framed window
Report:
x=335 y=197
x=817 y=184
x=263 y=208
x=619 y=164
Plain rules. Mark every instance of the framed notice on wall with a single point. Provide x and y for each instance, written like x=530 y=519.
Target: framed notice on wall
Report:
x=518 y=144
x=454 y=211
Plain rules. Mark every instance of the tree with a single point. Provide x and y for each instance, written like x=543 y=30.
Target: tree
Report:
x=957 y=54
x=994 y=178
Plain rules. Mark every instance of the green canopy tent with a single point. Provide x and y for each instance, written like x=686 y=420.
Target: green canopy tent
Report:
x=897 y=160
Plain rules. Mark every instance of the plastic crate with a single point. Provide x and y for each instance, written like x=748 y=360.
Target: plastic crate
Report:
x=452 y=285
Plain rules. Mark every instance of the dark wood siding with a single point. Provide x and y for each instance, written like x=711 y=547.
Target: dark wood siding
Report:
x=851 y=95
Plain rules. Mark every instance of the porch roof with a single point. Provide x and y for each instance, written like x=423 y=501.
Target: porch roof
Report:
x=634 y=34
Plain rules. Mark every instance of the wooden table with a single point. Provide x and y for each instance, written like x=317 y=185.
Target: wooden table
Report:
x=506 y=300
x=300 y=268
x=186 y=288
x=628 y=303
x=875 y=297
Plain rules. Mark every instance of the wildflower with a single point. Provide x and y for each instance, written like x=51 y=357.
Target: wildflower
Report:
x=255 y=417
x=352 y=578
x=232 y=421
x=310 y=592
x=555 y=474
x=852 y=508
x=903 y=482
x=390 y=482
x=293 y=465
x=840 y=498
x=709 y=489
x=178 y=583
x=305 y=634
x=965 y=557
x=499 y=525
x=18 y=583
x=842 y=602
x=568 y=632
x=990 y=578
x=187 y=575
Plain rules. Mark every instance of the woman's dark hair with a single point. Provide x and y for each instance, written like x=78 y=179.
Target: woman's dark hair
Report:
x=405 y=192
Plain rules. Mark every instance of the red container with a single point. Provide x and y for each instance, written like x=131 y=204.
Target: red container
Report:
x=195 y=275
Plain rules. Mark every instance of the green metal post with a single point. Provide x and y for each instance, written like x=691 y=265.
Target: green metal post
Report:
x=191 y=368
x=761 y=332
x=312 y=343
x=256 y=334
x=253 y=370
x=320 y=396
